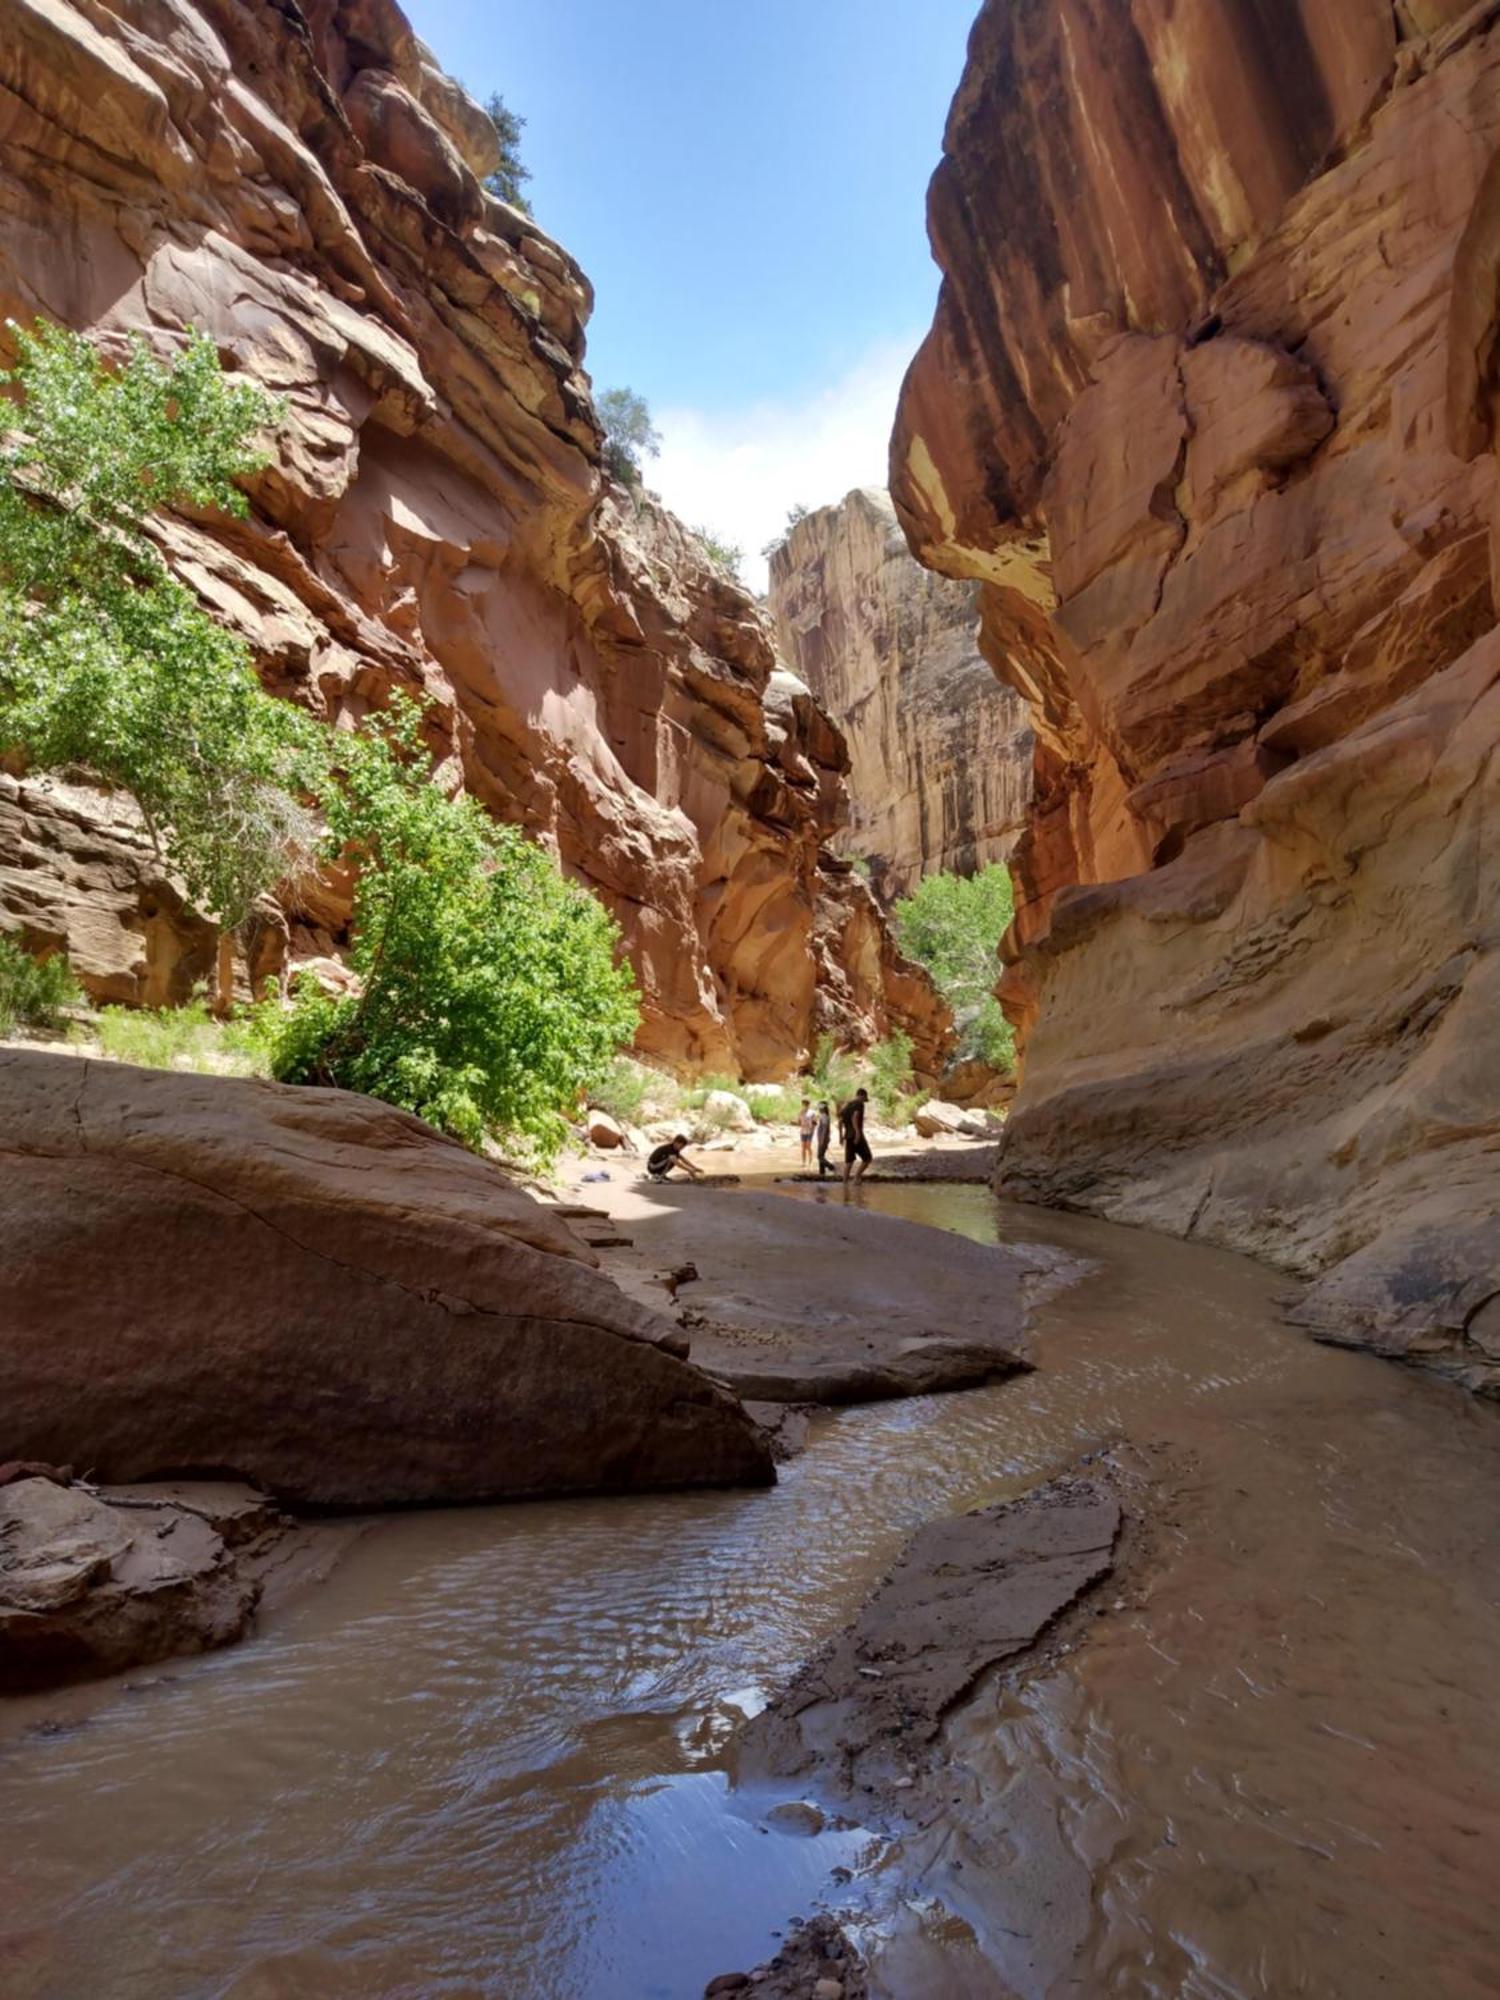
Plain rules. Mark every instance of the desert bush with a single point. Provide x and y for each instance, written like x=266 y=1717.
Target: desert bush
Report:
x=890 y=1072
x=34 y=992
x=186 y=1037
x=623 y=1090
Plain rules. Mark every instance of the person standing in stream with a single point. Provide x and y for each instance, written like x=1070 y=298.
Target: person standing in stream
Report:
x=852 y=1132
x=806 y=1126
x=824 y=1135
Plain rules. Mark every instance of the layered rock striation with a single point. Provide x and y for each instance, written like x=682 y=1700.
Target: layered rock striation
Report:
x=940 y=751
x=303 y=182
x=1207 y=411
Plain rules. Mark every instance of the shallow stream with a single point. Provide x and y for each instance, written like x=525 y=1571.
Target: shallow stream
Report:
x=489 y=1758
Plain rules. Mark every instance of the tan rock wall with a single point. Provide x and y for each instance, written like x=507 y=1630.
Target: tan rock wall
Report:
x=939 y=749
x=1208 y=414
x=301 y=182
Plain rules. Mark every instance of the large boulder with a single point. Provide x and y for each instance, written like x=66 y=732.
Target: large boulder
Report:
x=317 y=1292
x=936 y=1120
x=726 y=1108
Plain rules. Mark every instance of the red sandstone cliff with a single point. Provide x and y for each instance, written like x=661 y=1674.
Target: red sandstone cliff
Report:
x=1208 y=409
x=304 y=183
x=939 y=750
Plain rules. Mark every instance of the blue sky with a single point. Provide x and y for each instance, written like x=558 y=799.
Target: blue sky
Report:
x=745 y=184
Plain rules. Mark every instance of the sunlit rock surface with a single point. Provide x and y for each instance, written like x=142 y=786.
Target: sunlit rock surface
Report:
x=304 y=183
x=939 y=750
x=1207 y=409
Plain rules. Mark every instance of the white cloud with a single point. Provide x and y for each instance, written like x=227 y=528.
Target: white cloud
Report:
x=738 y=472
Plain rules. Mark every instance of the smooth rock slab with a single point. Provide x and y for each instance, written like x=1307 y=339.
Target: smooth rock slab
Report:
x=968 y=1593
x=318 y=1293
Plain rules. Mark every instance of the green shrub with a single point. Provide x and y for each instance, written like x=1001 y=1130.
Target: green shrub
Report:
x=186 y=1037
x=953 y=924
x=622 y=1090
x=491 y=997
x=834 y=1073
x=727 y=556
x=890 y=1073
x=34 y=992
x=782 y=1108
x=105 y=661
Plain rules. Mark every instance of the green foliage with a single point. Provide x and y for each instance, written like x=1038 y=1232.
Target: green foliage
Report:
x=105 y=661
x=783 y=1107
x=890 y=1073
x=724 y=555
x=629 y=434
x=186 y=1037
x=34 y=992
x=623 y=1090
x=795 y=513
x=833 y=1074
x=953 y=925
x=508 y=179
x=491 y=997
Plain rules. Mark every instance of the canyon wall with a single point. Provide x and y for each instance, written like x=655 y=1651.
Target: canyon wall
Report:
x=305 y=184
x=1208 y=410
x=939 y=750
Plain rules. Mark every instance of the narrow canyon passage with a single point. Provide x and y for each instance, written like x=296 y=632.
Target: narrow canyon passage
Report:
x=493 y=1755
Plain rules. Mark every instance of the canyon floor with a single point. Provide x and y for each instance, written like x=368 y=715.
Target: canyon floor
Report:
x=511 y=1750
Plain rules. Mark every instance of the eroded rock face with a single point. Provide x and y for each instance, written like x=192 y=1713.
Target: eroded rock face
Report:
x=1207 y=410
x=939 y=749
x=303 y=183
x=318 y=1293
x=92 y=1581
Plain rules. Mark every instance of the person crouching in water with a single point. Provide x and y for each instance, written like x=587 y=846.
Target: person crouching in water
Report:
x=852 y=1131
x=669 y=1154
x=806 y=1125
x=824 y=1135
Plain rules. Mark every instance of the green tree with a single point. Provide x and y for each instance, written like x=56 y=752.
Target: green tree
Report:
x=106 y=662
x=491 y=992
x=508 y=179
x=953 y=925
x=629 y=434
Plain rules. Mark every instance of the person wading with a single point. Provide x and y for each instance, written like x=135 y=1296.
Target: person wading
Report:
x=806 y=1125
x=824 y=1135
x=669 y=1154
x=852 y=1132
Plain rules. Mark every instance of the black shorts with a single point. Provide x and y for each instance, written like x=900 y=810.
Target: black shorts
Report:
x=857 y=1149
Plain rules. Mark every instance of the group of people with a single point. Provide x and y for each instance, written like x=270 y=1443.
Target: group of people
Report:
x=815 y=1130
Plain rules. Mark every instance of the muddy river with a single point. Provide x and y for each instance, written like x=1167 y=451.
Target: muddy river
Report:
x=491 y=1756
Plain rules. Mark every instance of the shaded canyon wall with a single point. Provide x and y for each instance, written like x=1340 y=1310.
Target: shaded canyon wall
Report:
x=304 y=183
x=939 y=750
x=1208 y=410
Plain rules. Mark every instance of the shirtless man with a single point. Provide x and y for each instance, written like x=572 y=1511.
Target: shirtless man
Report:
x=852 y=1131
